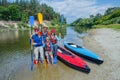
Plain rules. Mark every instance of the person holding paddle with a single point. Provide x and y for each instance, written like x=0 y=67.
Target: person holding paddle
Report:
x=54 y=39
x=37 y=42
x=45 y=33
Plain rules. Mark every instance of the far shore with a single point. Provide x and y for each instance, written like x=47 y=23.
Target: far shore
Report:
x=18 y=25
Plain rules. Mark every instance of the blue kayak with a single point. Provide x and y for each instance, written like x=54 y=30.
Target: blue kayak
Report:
x=83 y=52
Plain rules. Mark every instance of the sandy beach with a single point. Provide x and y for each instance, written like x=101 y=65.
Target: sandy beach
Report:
x=105 y=43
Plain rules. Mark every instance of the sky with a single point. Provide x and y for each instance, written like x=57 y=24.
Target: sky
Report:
x=74 y=9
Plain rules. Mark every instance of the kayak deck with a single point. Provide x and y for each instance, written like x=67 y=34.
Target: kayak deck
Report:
x=72 y=60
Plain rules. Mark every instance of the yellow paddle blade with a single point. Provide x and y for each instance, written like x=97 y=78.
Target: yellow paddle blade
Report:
x=40 y=18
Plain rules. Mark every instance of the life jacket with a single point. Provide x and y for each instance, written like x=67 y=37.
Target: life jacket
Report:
x=37 y=40
x=47 y=46
x=53 y=39
x=44 y=36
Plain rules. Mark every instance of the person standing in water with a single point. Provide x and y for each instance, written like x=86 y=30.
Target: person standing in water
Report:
x=45 y=33
x=48 y=50
x=37 y=42
x=54 y=39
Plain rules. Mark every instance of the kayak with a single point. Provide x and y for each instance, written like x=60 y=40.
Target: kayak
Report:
x=83 y=52
x=72 y=60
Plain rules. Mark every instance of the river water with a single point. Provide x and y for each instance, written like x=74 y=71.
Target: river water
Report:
x=15 y=59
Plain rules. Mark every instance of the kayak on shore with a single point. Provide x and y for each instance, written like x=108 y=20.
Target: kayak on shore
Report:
x=72 y=60
x=83 y=52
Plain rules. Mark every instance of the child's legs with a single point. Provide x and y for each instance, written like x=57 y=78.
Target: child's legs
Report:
x=51 y=55
x=47 y=56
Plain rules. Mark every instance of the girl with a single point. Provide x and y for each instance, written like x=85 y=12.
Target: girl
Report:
x=48 y=50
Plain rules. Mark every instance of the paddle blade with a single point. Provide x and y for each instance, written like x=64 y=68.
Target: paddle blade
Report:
x=55 y=60
x=32 y=62
x=40 y=18
x=31 y=66
x=62 y=18
x=31 y=20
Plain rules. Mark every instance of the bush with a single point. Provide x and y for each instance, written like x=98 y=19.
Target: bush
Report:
x=22 y=25
x=112 y=21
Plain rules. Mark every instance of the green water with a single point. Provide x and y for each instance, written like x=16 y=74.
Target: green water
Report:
x=14 y=47
x=15 y=59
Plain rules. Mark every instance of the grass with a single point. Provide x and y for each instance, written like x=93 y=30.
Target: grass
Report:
x=113 y=26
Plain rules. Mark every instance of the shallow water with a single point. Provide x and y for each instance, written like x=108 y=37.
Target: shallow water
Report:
x=15 y=59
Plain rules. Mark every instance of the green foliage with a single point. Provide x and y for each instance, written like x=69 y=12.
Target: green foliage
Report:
x=20 y=10
x=47 y=11
x=114 y=26
x=24 y=17
x=111 y=16
x=22 y=25
x=4 y=13
x=80 y=29
x=11 y=26
x=14 y=12
x=56 y=20
x=112 y=21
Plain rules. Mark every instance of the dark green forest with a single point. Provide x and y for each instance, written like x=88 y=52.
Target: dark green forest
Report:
x=111 y=16
x=20 y=10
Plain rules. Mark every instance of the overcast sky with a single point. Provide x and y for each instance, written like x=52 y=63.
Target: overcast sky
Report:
x=74 y=9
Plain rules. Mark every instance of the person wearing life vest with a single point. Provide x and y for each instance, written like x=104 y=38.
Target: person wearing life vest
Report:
x=54 y=39
x=45 y=33
x=48 y=50
x=37 y=42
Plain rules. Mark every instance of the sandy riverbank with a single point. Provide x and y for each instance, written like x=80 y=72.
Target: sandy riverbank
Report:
x=106 y=43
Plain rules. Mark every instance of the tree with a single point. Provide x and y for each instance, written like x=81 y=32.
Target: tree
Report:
x=4 y=13
x=21 y=9
x=0 y=2
x=14 y=12
x=17 y=2
x=25 y=17
x=4 y=2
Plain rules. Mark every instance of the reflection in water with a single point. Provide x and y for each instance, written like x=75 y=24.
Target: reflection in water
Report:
x=15 y=59
x=71 y=36
x=13 y=49
x=9 y=36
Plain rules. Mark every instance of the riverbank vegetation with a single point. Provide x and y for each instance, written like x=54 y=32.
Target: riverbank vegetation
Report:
x=110 y=19
x=20 y=10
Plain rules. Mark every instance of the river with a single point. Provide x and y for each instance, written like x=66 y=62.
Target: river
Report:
x=15 y=59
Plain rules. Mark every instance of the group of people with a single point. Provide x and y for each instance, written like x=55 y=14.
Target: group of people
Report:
x=45 y=44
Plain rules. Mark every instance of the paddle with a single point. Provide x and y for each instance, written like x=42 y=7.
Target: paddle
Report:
x=61 y=21
x=40 y=20
x=31 y=21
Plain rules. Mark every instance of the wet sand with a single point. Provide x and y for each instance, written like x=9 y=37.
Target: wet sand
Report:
x=106 y=43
